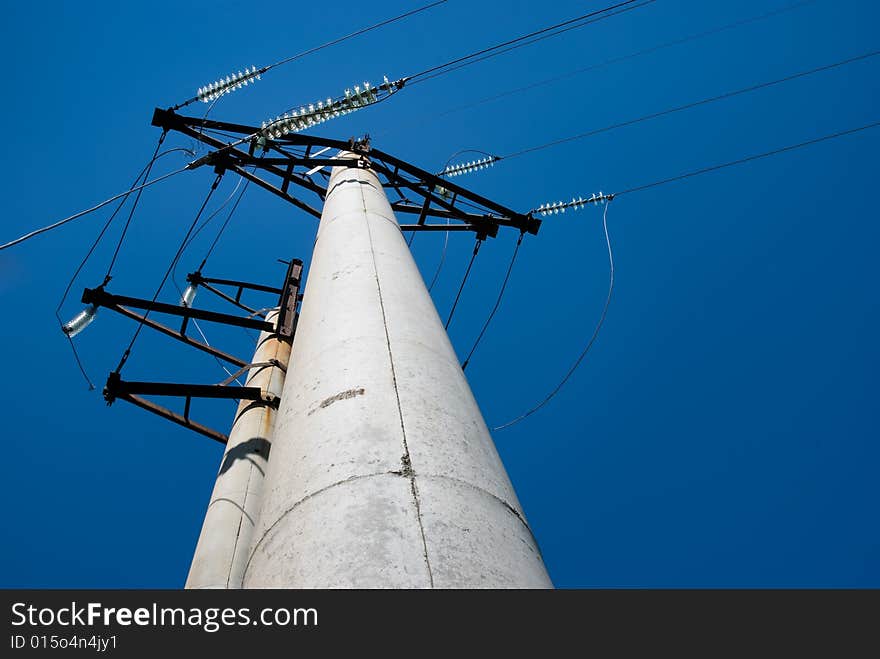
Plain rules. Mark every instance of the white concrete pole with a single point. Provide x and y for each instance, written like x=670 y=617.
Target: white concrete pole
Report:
x=383 y=473
x=222 y=549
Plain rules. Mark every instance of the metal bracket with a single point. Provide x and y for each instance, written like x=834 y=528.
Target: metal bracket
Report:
x=118 y=389
x=292 y=170
x=284 y=328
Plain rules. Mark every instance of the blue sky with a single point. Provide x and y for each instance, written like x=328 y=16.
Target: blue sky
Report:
x=723 y=430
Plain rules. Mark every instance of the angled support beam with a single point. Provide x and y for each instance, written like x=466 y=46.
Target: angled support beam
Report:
x=165 y=413
x=175 y=334
x=397 y=173
x=101 y=298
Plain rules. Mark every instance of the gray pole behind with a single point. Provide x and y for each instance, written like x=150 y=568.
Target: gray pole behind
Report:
x=383 y=473
x=222 y=549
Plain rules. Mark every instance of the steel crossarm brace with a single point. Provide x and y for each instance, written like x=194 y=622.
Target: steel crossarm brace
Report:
x=276 y=190
x=102 y=298
x=393 y=169
x=132 y=392
x=165 y=413
x=120 y=387
x=508 y=216
x=175 y=334
x=233 y=300
x=442 y=227
x=486 y=225
x=298 y=160
x=198 y=278
x=229 y=157
x=454 y=214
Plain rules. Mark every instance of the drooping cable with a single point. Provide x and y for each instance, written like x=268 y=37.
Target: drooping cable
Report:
x=442 y=259
x=224 y=225
x=590 y=342
x=467 y=359
x=134 y=206
x=446 y=236
x=207 y=256
x=205 y=223
x=652 y=185
x=76 y=216
x=694 y=104
x=463 y=282
x=127 y=353
x=141 y=175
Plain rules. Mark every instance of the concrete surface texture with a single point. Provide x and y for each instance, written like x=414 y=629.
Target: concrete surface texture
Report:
x=383 y=473
x=222 y=550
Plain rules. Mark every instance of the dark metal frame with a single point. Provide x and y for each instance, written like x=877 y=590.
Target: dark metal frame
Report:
x=439 y=197
x=118 y=389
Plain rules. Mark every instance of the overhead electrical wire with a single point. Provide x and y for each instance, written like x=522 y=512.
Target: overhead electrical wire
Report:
x=141 y=175
x=747 y=159
x=590 y=342
x=473 y=349
x=107 y=226
x=446 y=237
x=140 y=325
x=614 y=60
x=134 y=205
x=647 y=186
x=214 y=243
x=75 y=216
x=235 y=81
x=526 y=39
x=207 y=221
x=694 y=104
x=467 y=272
x=356 y=33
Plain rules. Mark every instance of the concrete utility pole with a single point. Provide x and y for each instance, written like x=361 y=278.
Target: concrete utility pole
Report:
x=382 y=473
x=222 y=551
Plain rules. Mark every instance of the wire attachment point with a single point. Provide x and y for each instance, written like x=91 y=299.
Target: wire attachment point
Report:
x=556 y=207
x=468 y=167
x=229 y=84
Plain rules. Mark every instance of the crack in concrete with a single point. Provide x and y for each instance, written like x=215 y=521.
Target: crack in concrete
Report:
x=406 y=459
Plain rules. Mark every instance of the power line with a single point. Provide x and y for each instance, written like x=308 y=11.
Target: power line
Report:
x=141 y=175
x=76 y=216
x=463 y=282
x=146 y=175
x=611 y=257
x=225 y=224
x=467 y=359
x=591 y=341
x=256 y=73
x=741 y=161
x=207 y=221
x=446 y=237
x=442 y=259
x=364 y=30
x=622 y=58
x=107 y=226
x=518 y=42
x=688 y=106
x=143 y=318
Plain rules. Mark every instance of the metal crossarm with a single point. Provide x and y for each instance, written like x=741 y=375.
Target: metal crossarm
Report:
x=118 y=389
x=280 y=170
